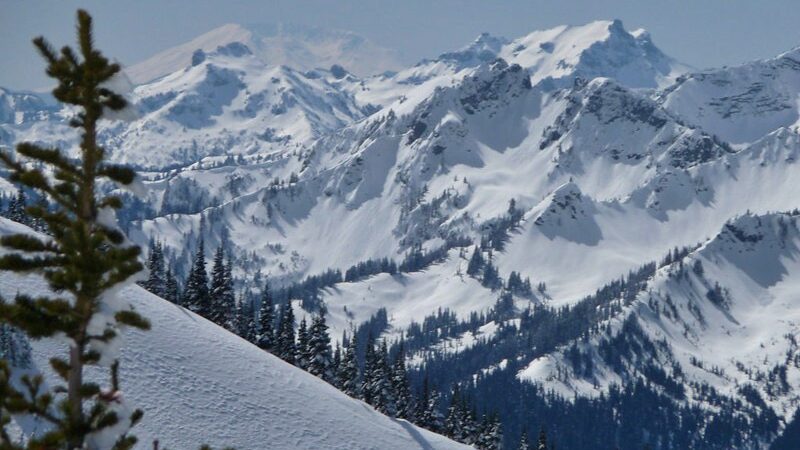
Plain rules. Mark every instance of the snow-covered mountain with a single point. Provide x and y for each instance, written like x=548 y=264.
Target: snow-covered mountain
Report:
x=299 y=47
x=580 y=159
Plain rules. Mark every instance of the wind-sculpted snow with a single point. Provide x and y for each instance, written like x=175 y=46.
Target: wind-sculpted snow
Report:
x=740 y=104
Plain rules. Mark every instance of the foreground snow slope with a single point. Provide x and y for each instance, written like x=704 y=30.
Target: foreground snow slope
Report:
x=198 y=383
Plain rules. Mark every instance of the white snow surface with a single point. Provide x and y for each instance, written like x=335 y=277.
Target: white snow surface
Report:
x=199 y=384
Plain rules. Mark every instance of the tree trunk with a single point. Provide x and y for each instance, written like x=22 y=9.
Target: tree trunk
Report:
x=75 y=381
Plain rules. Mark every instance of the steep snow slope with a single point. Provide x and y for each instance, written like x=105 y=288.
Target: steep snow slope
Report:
x=299 y=47
x=723 y=316
x=200 y=384
x=740 y=104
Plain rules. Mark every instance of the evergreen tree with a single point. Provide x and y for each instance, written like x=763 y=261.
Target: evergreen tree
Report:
x=476 y=263
x=491 y=277
x=156 y=279
x=84 y=262
x=319 y=346
x=245 y=323
x=453 y=422
x=335 y=364
x=266 y=321
x=223 y=300
x=302 y=356
x=400 y=386
x=348 y=371
x=433 y=415
x=493 y=434
x=542 y=444
x=285 y=347
x=370 y=363
x=196 y=296
x=523 y=441
x=380 y=386
x=171 y=288
x=17 y=208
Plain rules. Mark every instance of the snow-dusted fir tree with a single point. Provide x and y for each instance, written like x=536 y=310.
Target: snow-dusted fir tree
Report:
x=223 y=300
x=84 y=261
x=156 y=278
x=17 y=208
x=523 y=441
x=196 y=296
x=383 y=398
x=285 y=347
x=348 y=370
x=402 y=391
x=370 y=366
x=244 y=323
x=266 y=321
x=476 y=263
x=171 y=288
x=542 y=443
x=319 y=346
x=302 y=356
x=492 y=434
x=433 y=419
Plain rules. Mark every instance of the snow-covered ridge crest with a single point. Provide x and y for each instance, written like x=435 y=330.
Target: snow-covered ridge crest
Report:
x=740 y=104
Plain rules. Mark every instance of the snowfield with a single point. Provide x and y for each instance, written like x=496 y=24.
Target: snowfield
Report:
x=200 y=384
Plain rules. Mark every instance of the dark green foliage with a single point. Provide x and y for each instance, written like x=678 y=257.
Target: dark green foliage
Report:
x=266 y=322
x=542 y=442
x=196 y=296
x=320 y=362
x=348 y=371
x=156 y=279
x=302 y=357
x=402 y=391
x=476 y=263
x=223 y=301
x=523 y=442
x=84 y=257
x=790 y=438
x=285 y=347
x=244 y=321
x=171 y=288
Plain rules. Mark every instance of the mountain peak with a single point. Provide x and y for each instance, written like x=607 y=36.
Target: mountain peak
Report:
x=296 y=46
x=600 y=48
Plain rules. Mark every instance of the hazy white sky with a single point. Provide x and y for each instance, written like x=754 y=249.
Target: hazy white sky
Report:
x=702 y=33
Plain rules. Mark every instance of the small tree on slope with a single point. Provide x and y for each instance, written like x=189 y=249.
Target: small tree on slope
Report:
x=85 y=261
x=266 y=321
x=196 y=296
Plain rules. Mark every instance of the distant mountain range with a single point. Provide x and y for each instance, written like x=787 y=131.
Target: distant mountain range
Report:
x=652 y=207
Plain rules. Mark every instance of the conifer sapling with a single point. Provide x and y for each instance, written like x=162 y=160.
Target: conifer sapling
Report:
x=85 y=261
